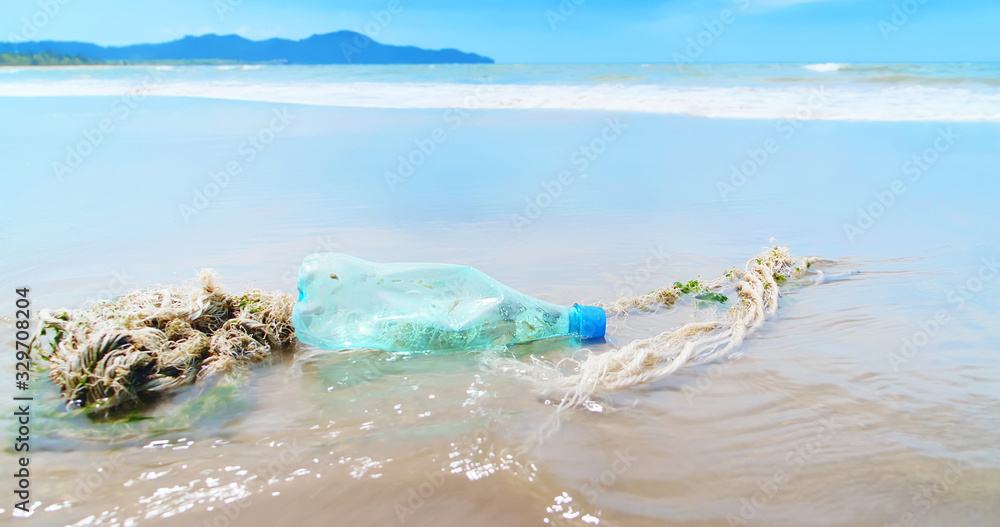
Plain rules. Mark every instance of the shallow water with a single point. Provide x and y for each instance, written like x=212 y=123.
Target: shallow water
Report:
x=824 y=417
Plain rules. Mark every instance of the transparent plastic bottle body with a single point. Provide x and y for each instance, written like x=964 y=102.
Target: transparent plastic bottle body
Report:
x=346 y=302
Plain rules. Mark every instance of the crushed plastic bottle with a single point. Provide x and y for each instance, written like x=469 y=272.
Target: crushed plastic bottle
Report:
x=346 y=302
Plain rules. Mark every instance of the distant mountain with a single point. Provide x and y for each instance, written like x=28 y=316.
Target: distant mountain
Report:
x=341 y=47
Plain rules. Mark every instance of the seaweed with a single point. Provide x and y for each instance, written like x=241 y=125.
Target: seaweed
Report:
x=117 y=355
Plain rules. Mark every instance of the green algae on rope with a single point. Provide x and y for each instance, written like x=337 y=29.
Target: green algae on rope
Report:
x=649 y=359
x=665 y=297
x=126 y=351
x=645 y=360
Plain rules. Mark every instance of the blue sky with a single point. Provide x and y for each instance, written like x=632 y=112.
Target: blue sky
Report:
x=553 y=31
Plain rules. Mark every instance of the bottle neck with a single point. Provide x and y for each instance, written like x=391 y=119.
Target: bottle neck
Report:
x=589 y=322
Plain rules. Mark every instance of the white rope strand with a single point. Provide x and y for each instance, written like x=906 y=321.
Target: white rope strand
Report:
x=646 y=360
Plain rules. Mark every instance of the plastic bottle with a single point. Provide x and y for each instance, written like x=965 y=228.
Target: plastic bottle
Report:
x=346 y=302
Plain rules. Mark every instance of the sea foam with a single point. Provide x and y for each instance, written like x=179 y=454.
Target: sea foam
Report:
x=850 y=102
x=828 y=67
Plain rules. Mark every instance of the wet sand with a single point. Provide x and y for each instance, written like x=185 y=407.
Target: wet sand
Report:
x=825 y=417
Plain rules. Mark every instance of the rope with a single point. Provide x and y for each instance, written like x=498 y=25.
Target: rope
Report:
x=152 y=341
x=646 y=360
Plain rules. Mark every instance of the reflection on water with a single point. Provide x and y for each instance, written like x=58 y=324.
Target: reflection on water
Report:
x=870 y=399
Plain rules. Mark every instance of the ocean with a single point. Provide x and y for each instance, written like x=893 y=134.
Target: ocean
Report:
x=870 y=398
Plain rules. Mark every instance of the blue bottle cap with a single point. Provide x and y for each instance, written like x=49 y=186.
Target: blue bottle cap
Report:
x=593 y=321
